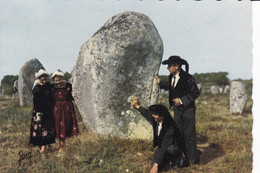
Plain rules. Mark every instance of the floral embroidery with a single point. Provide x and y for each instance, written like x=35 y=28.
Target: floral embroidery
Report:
x=34 y=118
x=34 y=134
x=35 y=126
x=44 y=133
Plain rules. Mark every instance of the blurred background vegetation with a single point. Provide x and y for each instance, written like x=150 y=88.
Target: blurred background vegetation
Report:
x=8 y=81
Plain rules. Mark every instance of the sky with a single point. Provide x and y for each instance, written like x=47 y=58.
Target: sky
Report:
x=211 y=35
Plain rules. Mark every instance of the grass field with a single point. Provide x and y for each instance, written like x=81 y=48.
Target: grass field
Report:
x=225 y=141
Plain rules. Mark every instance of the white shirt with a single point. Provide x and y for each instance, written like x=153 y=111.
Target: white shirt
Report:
x=177 y=77
x=159 y=128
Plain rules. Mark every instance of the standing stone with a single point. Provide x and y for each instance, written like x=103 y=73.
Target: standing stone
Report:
x=214 y=90
x=0 y=87
x=200 y=87
x=164 y=93
x=16 y=86
x=220 y=89
x=226 y=89
x=119 y=61
x=26 y=79
x=238 y=97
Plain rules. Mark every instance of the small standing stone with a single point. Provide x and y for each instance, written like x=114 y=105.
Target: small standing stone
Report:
x=214 y=90
x=26 y=79
x=227 y=89
x=238 y=97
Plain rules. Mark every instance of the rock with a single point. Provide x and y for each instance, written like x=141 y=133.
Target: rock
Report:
x=119 y=61
x=70 y=80
x=164 y=92
x=26 y=79
x=200 y=87
x=0 y=83
x=214 y=90
x=238 y=97
x=15 y=84
x=227 y=89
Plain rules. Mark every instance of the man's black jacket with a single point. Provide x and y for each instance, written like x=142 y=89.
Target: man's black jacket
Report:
x=186 y=89
x=169 y=135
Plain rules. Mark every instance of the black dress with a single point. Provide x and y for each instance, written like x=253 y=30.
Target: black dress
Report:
x=42 y=125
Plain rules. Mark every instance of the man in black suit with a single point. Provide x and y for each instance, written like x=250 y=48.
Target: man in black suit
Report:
x=167 y=136
x=183 y=91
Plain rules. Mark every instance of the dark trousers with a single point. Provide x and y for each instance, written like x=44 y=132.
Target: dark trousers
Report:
x=185 y=121
x=173 y=154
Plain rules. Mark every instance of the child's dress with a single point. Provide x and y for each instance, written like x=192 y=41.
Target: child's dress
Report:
x=42 y=124
x=64 y=113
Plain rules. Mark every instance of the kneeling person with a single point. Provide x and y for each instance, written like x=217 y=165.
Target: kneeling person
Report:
x=167 y=137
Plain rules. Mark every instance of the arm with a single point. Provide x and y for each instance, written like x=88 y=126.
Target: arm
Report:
x=144 y=112
x=36 y=99
x=163 y=85
x=193 y=94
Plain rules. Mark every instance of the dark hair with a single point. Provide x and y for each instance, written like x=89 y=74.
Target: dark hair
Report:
x=161 y=110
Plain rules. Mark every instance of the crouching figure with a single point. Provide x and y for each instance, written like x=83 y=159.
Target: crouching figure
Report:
x=167 y=137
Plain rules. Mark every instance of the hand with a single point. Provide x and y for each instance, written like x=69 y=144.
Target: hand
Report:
x=154 y=168
x=158 y=80
x=177 y=101
x=135 y=102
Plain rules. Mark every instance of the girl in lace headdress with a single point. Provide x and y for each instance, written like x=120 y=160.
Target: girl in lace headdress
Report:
x=42 y=124
x=64 y=113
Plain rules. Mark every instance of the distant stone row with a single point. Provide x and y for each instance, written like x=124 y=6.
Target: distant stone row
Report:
x=236 y=90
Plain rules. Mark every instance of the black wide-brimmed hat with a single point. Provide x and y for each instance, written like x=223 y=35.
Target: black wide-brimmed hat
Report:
x=178 y=60
x=160 y=110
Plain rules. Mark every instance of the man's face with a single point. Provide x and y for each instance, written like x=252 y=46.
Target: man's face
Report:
x=173 y=68
x=157 y=118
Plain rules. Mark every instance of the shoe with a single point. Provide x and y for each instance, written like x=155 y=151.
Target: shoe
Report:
x=185 y=163
x=197 y=161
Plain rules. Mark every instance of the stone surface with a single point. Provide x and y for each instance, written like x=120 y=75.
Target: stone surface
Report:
x=238 y=97
x=15 y=84
x=26 y=79
x=164 y=93
x=227 y=89
x=220 y=89
x=214 y=90
x=0 y=87
x=119 y=61
x=200 y=87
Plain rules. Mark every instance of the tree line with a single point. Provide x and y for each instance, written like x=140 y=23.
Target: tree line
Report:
x=214 y=78
x=8 y=81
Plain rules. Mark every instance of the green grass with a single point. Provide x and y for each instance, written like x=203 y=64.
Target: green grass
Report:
x=225 y=141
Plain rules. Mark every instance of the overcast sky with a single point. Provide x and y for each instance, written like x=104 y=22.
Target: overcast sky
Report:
x=211 y=35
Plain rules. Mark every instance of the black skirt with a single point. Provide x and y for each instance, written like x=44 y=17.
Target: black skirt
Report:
x=42 y=129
